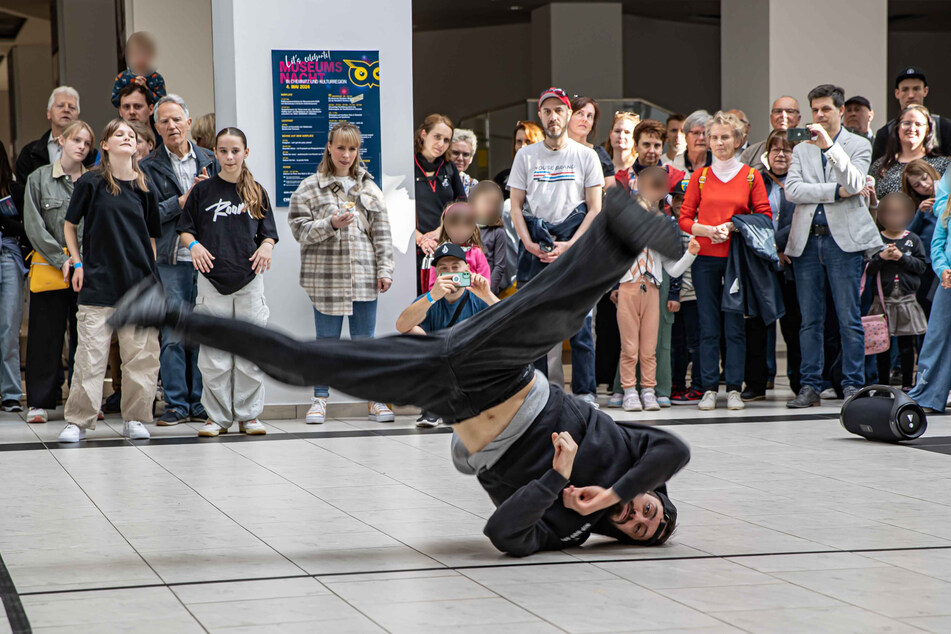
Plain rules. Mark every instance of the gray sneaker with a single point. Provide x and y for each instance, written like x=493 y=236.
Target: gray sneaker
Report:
x=807 y=397
x=849 y=391
x=590 y=399
x=649 y=399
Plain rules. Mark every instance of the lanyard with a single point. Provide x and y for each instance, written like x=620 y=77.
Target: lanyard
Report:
x=431 y=180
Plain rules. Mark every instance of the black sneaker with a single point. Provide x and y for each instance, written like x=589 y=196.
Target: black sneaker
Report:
x=427 y=420
x=11 y=405
x=113 y=404
x=171 y=417
x=751 y=395
x=689 y=397
x=894 y=378
x=807 y=397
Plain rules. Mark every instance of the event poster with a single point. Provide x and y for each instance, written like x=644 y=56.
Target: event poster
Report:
x=313 y=91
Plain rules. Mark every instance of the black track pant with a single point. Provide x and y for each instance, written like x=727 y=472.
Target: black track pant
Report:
x=462 y=371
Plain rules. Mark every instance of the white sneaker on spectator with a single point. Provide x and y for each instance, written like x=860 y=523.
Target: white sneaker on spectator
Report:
x=829 y=393
x=379 y=412
x=632 y=403
x=650 y=400
x=591 y=399
x=734 y=400
x=616 y=400
x=134 y=430
x=317 y=413
x=252 y=427
x=211 y=430
x=72 y=433
x=37 y=415
x=948 y=404
x=709 y=401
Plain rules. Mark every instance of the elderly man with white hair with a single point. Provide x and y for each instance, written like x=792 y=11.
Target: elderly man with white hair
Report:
x=461 y=152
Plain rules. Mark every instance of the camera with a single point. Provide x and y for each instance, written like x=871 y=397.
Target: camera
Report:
x=795 y=135
x=461 y=279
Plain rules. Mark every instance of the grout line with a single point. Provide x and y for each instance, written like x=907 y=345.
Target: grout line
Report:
x=16 y=615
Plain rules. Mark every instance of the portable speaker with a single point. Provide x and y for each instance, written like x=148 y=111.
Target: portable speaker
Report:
x=882 y=412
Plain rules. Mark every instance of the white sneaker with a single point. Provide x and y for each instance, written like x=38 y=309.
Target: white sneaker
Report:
x=709 y=401
x=134 y=430
x=211 y=430
x=317 y=413
x=734 y=401
x=650 y=400
x=37 y=415
x=251 y=427
x=948 y=404
x=590 y=399
x=379 y=412
x=72 y=433
x=632 y=403
x=616 y=400
x=828 y=393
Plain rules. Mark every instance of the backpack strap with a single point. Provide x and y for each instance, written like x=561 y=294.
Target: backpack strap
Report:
x=703 y=177
x=751 y=177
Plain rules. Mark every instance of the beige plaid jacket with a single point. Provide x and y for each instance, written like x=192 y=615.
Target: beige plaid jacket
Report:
x=341 y=266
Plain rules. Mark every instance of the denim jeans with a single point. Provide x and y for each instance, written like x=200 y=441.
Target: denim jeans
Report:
x=362 y=324
x=685 y=346
x=582 y=361
x=823 y=264
x=11 y=315
x=707 y=274
x=934 y=370
x=181 y=378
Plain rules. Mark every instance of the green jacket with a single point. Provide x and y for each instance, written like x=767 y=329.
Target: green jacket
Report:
x=45 y=202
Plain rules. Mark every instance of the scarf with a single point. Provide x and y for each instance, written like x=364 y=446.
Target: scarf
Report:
x=426 y=165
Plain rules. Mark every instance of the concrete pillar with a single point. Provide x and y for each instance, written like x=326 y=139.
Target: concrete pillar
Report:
x=31 y=80
x=578 y=46
x=771 y=48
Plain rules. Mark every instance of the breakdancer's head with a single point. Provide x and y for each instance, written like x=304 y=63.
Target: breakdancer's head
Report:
x=647 y=520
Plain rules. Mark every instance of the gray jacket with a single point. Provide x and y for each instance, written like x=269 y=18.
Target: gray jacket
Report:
x=751 y=156
x=808 y=185
x=45 y=202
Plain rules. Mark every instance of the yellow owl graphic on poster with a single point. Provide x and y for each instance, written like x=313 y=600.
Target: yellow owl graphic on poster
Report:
x=364 y=74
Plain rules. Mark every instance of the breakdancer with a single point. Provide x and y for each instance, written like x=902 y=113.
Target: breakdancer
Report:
x=556 y=468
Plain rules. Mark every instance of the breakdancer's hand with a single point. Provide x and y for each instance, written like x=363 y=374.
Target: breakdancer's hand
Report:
x=565 y=450
x=588 y=500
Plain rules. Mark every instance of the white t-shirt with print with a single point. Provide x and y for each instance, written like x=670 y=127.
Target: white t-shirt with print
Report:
x=554 y=182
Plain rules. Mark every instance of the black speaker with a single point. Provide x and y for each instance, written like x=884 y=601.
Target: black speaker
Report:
x=883 y=412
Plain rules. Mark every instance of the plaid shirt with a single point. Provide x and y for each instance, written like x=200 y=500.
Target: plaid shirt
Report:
x=340 y=266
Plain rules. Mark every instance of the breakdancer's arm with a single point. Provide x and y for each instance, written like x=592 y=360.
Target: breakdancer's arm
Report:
x=517 y=528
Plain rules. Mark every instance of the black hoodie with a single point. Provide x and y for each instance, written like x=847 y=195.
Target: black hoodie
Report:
x=530 y=517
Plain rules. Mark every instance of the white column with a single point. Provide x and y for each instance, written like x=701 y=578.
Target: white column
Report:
x=245 y=32
x=774 y=47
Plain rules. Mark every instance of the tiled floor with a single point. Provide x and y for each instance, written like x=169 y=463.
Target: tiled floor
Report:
x=787 y=524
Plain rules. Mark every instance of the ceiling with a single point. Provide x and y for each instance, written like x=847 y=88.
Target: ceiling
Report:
x=428 y=15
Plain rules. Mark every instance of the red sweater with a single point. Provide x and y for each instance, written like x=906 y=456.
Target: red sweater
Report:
x=719 y=202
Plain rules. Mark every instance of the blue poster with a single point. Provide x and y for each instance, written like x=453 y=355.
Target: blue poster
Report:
x=313 y=91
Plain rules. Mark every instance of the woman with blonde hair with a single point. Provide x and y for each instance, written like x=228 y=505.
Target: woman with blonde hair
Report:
x=121 y=223
x=339 y=217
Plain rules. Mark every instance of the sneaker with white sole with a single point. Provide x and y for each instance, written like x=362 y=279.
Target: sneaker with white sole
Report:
x=649 y=399
x=829 y=393
x=709 y=401
x=632 y=402
x=252 y=427
x=211 y=430
x=317 y=413
x=379 y=412
x=616 y=400
x=72 y=433
x=37 y=415
x=427 y=420
x=734 y=400
x=590 y=399
x=134 y=430
x=663 y=401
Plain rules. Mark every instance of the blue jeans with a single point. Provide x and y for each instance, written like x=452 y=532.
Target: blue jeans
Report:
x=181 y=378
x=934 y=369
x=362 y=324
x=11 y=316
x=823 y=263
x=707 y=272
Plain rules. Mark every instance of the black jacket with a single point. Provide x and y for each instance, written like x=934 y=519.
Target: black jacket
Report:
x=750 y=286
x=908 y=268
x=530 y=517
x=32 y=157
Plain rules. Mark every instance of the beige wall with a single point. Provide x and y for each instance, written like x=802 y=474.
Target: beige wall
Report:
x=183 y=31
x=87 y=56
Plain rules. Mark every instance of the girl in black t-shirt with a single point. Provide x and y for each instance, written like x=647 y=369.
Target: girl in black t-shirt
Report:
x=121 y=223
x=228 y=225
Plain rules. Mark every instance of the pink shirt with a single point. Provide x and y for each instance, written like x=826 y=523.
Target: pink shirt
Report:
x=477 y=262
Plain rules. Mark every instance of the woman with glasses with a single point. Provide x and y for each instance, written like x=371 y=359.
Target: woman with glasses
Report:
x=697 y=155
x=913 y=138
x=461 y=152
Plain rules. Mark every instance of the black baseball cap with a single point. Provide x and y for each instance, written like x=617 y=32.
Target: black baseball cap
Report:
x=860 y=100
x=912 y=72
x=680 y=187
x=448 y=250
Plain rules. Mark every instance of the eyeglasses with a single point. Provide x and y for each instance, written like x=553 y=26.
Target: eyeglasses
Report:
x=913 y=124
x=460 y=154
x=777 y=150
x=789 y=111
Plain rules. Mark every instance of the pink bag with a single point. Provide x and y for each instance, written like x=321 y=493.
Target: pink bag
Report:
x=876 y=326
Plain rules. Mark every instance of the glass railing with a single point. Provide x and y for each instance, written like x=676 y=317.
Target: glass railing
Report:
x=494 y=129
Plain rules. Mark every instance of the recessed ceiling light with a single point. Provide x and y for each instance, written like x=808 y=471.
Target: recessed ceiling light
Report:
x=516 y=7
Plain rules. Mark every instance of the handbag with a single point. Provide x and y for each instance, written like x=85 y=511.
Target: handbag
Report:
x=44 y=276
x=876 y=326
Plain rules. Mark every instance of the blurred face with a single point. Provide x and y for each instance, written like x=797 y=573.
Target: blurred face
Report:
x=827 y=115
x=857 y=117
x=121 y=143
x=65 y=110
x=77 y=147
x=139 y=58
x=912 y=129
x=922 y=183
x=653 y=189
x=911 y=91
x=779 y=157
x=343 y=153
x=554 y=115
x=893 y=215
x=649 y=149
x=722 y=141
x=581 y=122
x=230 y=152
x=487 y=206
x=436 y=141
x=460 y=226
x=696 y=139
x=784 y=114
x=675 y=133
x=461 y=154
x=639 y=518
x=172 y=125
x=134 y=108
x=622 y=135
